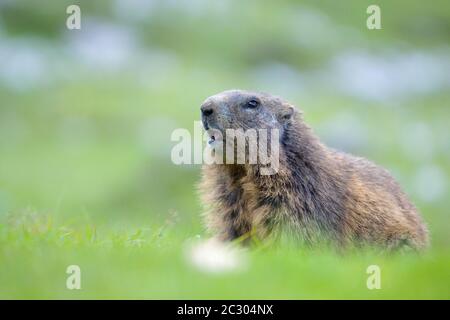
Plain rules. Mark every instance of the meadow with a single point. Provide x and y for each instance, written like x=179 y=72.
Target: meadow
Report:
x=86 y=117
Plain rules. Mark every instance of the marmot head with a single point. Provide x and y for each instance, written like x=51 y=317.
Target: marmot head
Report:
x=239 y=109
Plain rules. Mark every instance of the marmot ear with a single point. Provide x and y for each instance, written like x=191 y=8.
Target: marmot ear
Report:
x=287 y=113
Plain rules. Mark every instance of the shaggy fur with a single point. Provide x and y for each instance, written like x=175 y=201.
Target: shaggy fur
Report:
x=318 y=193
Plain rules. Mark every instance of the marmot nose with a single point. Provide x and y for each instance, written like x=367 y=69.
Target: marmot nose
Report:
x=206 y=110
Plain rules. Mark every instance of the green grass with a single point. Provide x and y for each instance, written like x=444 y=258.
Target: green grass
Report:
x=151 y=263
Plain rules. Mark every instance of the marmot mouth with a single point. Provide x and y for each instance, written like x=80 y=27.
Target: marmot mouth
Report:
x=215 y=136
x=214 y=140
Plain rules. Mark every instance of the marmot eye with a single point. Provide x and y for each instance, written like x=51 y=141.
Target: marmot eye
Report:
x=253 y=103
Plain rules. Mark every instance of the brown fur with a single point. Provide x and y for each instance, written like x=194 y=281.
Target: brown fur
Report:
x=318 y=193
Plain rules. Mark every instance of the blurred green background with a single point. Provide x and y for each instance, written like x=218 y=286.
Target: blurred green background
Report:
x=86 y=117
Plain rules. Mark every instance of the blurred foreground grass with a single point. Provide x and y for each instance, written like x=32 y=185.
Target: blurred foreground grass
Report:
x=152 y=264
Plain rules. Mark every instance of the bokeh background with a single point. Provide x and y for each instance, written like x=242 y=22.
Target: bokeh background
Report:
x=86 y=117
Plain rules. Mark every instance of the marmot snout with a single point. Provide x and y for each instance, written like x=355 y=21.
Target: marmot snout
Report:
x=318 y=193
